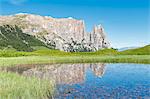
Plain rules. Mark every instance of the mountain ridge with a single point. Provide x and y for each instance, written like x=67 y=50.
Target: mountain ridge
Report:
x=65 y=34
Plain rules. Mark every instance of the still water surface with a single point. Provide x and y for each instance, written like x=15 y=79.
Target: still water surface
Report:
x=93 y=81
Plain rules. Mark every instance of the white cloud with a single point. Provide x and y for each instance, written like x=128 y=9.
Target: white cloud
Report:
x=17 y=2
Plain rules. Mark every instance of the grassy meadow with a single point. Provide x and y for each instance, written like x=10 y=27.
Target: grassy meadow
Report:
x=12 y=61
x=41 y=56
x=15 y=86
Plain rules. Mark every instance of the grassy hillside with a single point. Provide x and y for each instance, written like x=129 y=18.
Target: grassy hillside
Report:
x=42 y=51
x=50 y=52
x=9 y=57
x=138 y=51
x=12 y=37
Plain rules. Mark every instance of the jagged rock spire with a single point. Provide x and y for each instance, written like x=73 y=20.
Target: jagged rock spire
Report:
x=98 y=37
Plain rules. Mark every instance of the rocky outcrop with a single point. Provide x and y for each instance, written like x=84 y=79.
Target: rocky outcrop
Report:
x=66 y=34
x=98 y=38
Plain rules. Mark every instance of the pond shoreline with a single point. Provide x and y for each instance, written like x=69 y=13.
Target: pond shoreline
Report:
x=11 y=61
x=77 y=80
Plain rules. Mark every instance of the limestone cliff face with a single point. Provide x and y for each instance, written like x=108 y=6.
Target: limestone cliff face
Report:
x=98 y=38
x=66 y=34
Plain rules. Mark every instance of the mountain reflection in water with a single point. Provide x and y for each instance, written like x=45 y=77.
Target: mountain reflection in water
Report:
x=92 y=81
x=60 y=73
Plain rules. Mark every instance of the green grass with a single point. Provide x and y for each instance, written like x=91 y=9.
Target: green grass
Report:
x=14 y=86
x=138 y=51
x=42 y=51
x=48 y=52
x=10 y=53
x=12 y=61
x=9 y=57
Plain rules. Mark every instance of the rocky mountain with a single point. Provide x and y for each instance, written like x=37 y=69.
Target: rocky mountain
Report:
x=66 y=34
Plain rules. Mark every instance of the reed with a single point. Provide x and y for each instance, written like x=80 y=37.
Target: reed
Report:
x=14 y=86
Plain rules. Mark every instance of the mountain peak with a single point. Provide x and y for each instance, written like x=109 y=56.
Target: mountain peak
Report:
x=62 y=32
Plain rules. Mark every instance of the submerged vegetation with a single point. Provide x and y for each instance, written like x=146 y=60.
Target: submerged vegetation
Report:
x=13 y=86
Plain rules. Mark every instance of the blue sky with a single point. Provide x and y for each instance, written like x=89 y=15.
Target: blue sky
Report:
x=126 y=22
